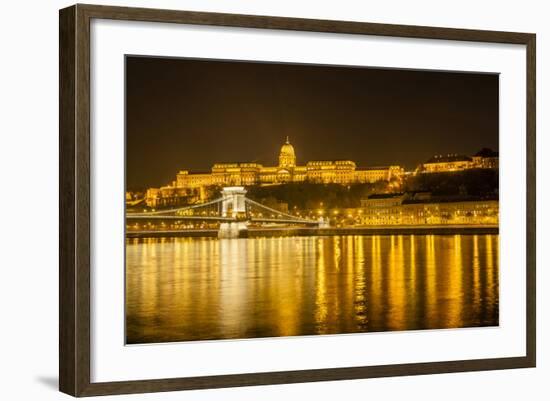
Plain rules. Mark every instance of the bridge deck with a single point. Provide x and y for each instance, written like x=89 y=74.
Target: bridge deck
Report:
x=161 y=217
x=129 y=216
x=309 y=231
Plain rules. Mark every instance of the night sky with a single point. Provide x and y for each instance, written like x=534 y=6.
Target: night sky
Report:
x=189 y=114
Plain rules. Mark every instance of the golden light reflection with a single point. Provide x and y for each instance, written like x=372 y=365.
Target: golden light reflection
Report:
x=191 y=289
x=412 y=267
x=476 y=274
x=431 y=278
x=350 y=275
x=454 y=287
x=491 y=258
x=360 y=298
x=320 y=287
x=397 y=283
x=375 y=298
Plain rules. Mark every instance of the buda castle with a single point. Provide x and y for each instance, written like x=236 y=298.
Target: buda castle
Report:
x=244 y=174
x=325 y=172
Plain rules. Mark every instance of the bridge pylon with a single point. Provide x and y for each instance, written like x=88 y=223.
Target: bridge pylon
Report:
x=233 y=205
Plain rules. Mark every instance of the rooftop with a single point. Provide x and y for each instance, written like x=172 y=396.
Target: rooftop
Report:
x=448 y=158
x=451 y=199
x=486 y=152
x=373 y=168
x=386 y=196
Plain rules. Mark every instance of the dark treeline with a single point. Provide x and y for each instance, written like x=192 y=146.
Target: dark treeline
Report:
x=481 y=183
x=312 y=196
x=468 y=184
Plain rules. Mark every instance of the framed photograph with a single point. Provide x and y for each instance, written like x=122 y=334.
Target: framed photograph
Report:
x=250 y=200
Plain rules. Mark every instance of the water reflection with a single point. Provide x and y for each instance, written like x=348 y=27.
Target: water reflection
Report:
x=196 y=289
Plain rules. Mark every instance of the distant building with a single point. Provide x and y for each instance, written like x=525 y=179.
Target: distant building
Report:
x=167 y=196
x=248 y=173
x=439 y=163
x=420 y=209
x=485 y=158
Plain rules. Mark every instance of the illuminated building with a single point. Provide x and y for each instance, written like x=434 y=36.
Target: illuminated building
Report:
x=485 y=158
x=420 y=209
x=245 y=174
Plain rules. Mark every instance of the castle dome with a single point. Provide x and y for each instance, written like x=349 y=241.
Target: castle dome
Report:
x=287 y=149
x=287 y=157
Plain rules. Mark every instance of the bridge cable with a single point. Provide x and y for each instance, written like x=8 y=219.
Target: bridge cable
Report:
x=279 y=212
x=178 y=209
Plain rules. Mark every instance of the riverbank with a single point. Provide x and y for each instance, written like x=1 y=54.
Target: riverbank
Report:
x=307 y=231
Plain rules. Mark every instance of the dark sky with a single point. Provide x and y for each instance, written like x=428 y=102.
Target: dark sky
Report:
x=189 y=114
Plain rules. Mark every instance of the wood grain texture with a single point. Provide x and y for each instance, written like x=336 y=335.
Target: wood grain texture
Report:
x=301 y=376
x=82 y=200
x=67 y=266
x=531 y=229
x=301 y=24
x=74 y=203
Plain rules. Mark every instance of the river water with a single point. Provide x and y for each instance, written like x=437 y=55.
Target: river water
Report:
x=180 y=289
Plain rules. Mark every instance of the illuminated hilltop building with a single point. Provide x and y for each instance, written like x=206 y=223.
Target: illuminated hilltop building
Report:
x=242 y=174
x=326 y=171
x=485 y=158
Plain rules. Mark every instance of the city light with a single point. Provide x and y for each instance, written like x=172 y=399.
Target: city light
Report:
x=389 y=207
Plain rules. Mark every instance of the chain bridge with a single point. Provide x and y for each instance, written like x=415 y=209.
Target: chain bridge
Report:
x=234 y=212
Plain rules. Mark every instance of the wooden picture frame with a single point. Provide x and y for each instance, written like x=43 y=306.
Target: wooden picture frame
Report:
x=74 y=206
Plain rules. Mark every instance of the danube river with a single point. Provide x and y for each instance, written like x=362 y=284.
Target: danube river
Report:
x=180 y=289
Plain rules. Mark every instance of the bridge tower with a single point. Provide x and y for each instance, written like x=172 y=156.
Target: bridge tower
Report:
x=233 y=206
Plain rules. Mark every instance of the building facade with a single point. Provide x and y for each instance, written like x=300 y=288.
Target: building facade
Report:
x=322 y=171
x=245 y=174
x=485 y=158
x=419 y=209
